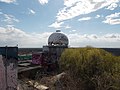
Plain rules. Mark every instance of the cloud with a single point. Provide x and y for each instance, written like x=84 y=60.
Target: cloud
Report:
x=84 y=19
x=112 y=19
x=107 y=40
x=72 y=31
x=12 y=36
x=73 y=8
x=67 y=27
x=42 y=2
x=8 y=1
x=112 y=6
x=1 y=13
x=112 y=36
x=31 y=11
x=56 y=25
x=9 y=19
x=97 y=16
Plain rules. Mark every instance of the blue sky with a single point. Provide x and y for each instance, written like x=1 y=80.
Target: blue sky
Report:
x=29 y=23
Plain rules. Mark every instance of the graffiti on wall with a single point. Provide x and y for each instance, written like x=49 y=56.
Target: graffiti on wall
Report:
x=8 y=68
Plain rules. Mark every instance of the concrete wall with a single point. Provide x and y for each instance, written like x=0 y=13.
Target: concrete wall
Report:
x=2 y=75
x=8 y=75
x=8 y=68
x=55 y=51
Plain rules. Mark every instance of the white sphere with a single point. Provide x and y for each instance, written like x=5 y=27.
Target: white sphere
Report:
x=58 y=38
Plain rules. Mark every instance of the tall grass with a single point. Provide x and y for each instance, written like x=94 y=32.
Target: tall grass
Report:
x=94 y=69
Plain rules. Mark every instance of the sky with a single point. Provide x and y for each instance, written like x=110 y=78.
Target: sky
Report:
x=29 y=23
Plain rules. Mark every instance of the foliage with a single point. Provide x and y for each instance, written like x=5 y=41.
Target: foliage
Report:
x=95 y=68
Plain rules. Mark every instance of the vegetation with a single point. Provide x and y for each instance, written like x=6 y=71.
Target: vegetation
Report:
x=92 y=68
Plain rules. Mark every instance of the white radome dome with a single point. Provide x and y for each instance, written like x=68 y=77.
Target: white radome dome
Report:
x=58 y=38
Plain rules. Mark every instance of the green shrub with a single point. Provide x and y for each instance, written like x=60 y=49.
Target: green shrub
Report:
x=95 y=68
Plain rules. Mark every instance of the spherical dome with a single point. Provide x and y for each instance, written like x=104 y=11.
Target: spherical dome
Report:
x=58 y=38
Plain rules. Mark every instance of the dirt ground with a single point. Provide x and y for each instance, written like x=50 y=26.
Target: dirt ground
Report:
x=55 y=81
